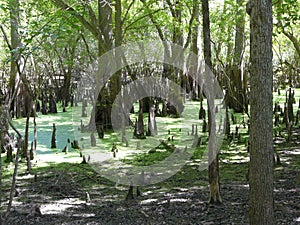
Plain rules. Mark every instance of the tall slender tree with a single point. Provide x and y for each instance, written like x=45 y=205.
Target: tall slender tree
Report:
x=261 y=201
x=14 y=8
x=213 y=168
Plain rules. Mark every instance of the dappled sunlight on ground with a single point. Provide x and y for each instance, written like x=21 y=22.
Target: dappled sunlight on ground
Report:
x=60 y=206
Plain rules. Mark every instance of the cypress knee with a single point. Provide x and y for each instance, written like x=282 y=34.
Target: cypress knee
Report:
x=53 y=139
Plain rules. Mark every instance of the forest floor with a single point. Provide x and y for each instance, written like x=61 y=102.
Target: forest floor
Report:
x=60 y=193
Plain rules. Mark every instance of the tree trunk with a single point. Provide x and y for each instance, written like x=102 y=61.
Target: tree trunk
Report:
x=93 y=140
x=3 y=141
x=177 y=39
x=53 y=138
x=139 y=125
x=237 y=100
x=14 y=180
x=52 y=104
x=261 y=202
x=26 y=151
x=213 y=169
x=34 y=131
x=194 y=48
x=14 y=177
x=227 y=122
x=27 y=103
x=68 y=74
x=107 y=95
x=152 y=128
x=66 y=88
x=15 y=55
x=44 y=109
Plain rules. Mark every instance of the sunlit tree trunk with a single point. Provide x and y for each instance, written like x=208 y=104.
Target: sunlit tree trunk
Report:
x=213 y=168
x=194 y=48
x=26 y=139
x=34 y=131
x=261 y=202
x=177 y=39
x=15 y=56
x=3 y=141
x=118 y=42
x=27 y=101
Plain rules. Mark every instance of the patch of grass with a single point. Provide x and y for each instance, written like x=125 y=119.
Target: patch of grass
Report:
x=146 y=159
x=233 y=172
x=198 y=153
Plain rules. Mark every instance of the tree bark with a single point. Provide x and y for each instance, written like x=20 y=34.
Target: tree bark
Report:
x=261 y=202
x=15 y=55
x=152 y=128
x=26 y=151
x=105 y=42
x=34 y=130
x=52 y=104
x=53 y=138
x=213 y=168
x=3 y=140
x=139 y=125
x=194 y=48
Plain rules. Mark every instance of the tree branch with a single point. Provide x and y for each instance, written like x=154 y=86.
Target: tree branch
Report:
x=158 y=28
x=171 y=8
x=92 y=16
x=194 y=14
x=85 y=23
x=291 y=37
x=127 y=11
x=140 y=18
